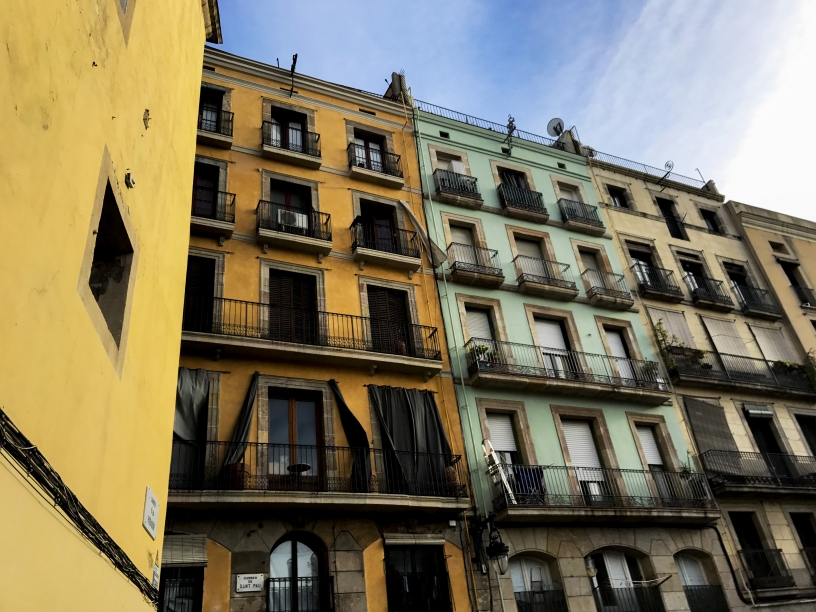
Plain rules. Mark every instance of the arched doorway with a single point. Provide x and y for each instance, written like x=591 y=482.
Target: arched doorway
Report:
x=620 y=583
x=695 y=571
x=295 y=583
x=536 y=586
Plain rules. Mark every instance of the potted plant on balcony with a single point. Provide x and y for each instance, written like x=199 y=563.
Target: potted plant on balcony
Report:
x=485 y=356
x=787 y=368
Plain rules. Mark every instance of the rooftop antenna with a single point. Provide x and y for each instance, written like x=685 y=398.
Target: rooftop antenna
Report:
x=292 y=74
x=669 y=166
x=701 y=174
x=555 y=127
x=511 y=127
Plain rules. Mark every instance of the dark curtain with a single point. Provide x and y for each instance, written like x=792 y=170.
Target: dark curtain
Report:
x=240 y=435
x=416 y=451
x=357 y=441
x=189 y=427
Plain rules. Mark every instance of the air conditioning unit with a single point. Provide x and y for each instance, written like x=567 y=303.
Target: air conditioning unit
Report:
x=292 y=221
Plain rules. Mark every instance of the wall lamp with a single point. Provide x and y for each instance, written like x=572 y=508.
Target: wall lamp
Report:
x=495 y=550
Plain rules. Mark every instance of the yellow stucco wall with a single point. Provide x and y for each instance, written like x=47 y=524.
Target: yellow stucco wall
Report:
x=73 y=86
x=217 y=576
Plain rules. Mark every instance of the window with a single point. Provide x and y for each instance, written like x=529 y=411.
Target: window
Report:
x=712 y=221
x=294 y=578
x=586 y=462
x=199 y=294
x=513 y=178
x=695 y=273
x=110 y=268
x=643 y=263
x=181 y=588
x=479 y=324
x=674 y=322
x=570 y=192
x=562 y=165
x=589 y=260
x=778 y=247
x=444 y=134
x=773 y=344
x=648 y=443
x=615 y=570
x=760 y=423
x=462 y=248
x=528 y=248
x=416 y=579
x=209 y=109
x=620 y=353
x=533 y=585
x=289 y=208
x=286 y=129
x=673 y=222
x=737 y=274
x=205 y=190
x=380 y=227
x=807 y=424
x=806 y=530
x=292 y=307
x=701 y=596
x=747 y=531
x=618 y=196
x=450 y=163
x=727 y=340
x=559 y=361
x=369 y=150
x=294 y=433
x=503 y=437
x=390 y=325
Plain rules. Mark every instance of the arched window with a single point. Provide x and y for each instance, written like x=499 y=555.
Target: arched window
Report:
x=535 y=587
x=294 y=578
x=700 y=594
x=619 y=585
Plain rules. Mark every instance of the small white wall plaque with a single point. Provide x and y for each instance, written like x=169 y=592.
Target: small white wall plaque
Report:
x=249 y=583
x=150 y=520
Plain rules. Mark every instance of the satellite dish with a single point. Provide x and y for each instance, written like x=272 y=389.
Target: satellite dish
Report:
x=555 y=127
x=590 y=152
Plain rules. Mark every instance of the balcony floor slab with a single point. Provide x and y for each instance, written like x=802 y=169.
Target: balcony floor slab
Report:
x=545 y=514
x=547 y=291
x=292 y=157
x=739 y=385
x=214 y=139
x=384 y=258
x=211 y=227
x=584 y=228
x=473 y=203
x=378 y=178
x=285 y=240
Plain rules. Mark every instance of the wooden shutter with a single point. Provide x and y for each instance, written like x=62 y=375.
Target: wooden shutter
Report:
x=725 y=337
x=550 y=334
x=581 y=444
x=184 y=551
x=200 y=281
x=479 y=323
x=501 y=432
x=528 y=248
x=709 y=426
x=648 y=443
x=773 y=344
x=675 y=324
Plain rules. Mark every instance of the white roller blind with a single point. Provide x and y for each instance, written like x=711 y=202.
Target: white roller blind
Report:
x=773 y=344
x=617 y=570
x=614 y=338
x=461 y=235
x=580 y=444
x=569 y=192
x=588 y=260
x=479 y=324
x=725 y=337
x=675 y=324
x=457 y=166
x=691 y=572
x=648 y=443
x=528 y=248
x=550 y=334
x=184 y=551
x=501 y=432
x=444 y=164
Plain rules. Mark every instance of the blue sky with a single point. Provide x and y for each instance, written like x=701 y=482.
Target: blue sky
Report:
x=723 y=86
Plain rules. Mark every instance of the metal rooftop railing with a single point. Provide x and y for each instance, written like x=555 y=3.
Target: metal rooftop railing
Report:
x=549 y=142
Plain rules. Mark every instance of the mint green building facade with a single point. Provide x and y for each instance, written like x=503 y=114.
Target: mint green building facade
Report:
x=570 y=430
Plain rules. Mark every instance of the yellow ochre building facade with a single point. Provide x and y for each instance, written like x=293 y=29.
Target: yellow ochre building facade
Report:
x=317 y=457
x=99 y=100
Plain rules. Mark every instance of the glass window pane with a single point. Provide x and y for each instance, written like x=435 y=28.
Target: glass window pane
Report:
x=278 y=421
x=306 y=424
x=280 y=561
x=306 y=561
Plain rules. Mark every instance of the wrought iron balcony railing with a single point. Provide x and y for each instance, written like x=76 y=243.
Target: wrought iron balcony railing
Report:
x=259 y=321
x=707 y=289
x=280 y=218
x=598 y=282
x=454 y=183
x=806 y=295
x=494 y=357
x=383 y=238
x=290 y=139
x=766 y=569
x=522 y=199
x=754 y=299
x=655 y=279
x=376 y=160
x=468 y=258
x=309 y=594
x=212 y=204
x=534 y=270
x=579 y=212
x=549 y=600
x=574 y=487
x=706 y=598
x=685 y=361
x=629 y=599
x=216 y=121
x=760 y=469
x=809 y=553
x=200 y=466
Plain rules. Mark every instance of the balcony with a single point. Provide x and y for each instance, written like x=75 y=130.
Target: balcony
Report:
x=657 y=283
x=261 y=330
x=710 y=368
x=457 y=189
x=284 y=228
x=708 y=292
x=544 y=278
x=751 y=473
x=331 y=477
x=385 y=245
x=521 y=203
x=756 y=302
x=706 y=598
x=566 y=493
x=607 y=289
x=551 y=600
x=380 y=167
x=806 y=295
x=472 y=265
x=213 y=212
x=215 y=128
x=293 y=146
x=508 y=365
x=581 y=217
x=766 y=569
x=628 y=599
x=312 y=594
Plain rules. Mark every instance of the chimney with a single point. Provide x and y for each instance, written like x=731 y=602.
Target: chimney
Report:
x=710 y=186
x=398 y=90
